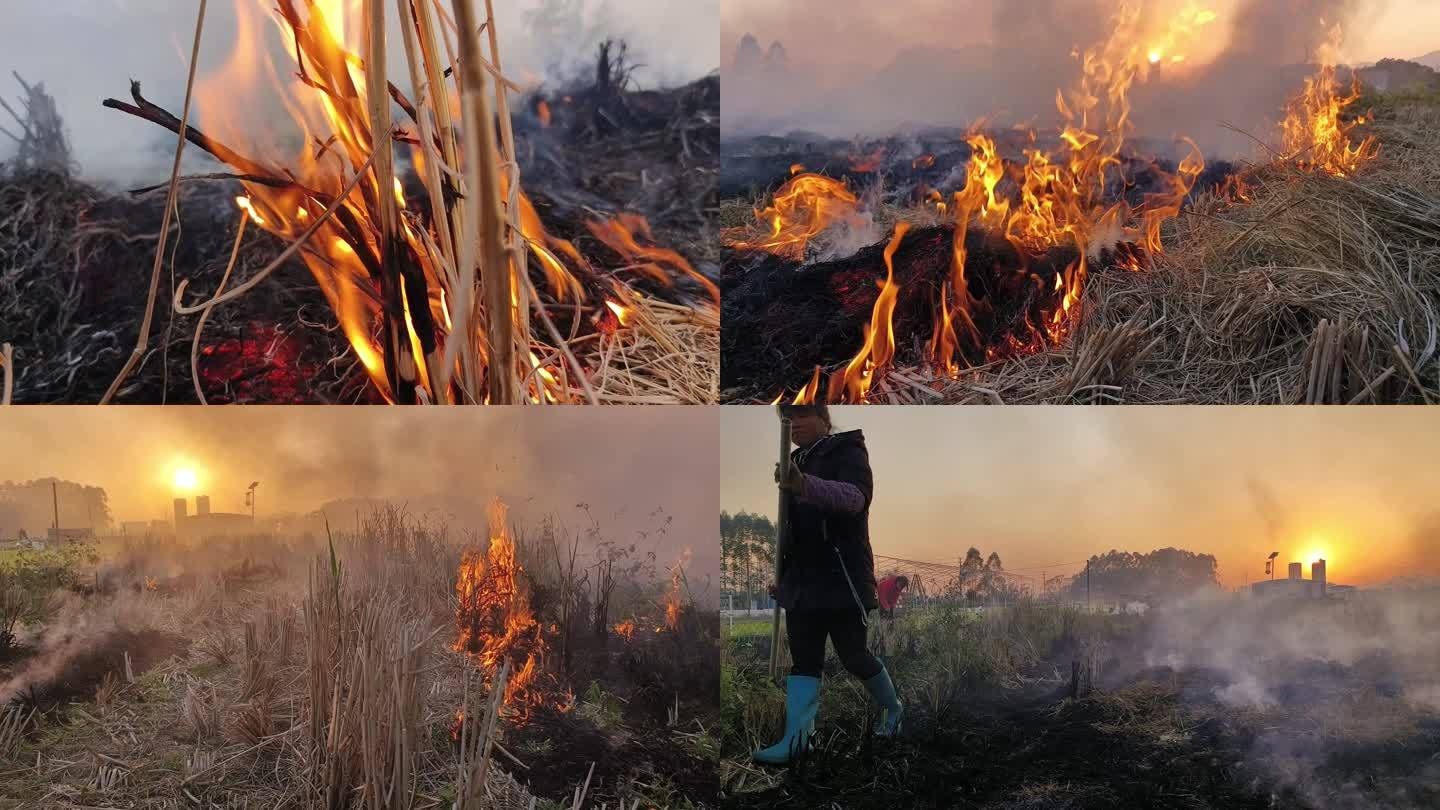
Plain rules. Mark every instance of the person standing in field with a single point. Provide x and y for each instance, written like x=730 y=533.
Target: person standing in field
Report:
x=827 y=574
x=888 y=592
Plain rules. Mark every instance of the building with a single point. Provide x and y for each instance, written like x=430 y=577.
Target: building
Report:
x=1295 y=586
x=205 y=523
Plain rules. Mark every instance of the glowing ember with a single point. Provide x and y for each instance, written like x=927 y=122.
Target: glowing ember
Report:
x=625 y=630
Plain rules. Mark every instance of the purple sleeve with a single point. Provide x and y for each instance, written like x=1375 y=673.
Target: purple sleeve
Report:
x=833 y=496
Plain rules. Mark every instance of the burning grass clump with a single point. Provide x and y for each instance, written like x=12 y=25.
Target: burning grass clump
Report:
x=321 y=670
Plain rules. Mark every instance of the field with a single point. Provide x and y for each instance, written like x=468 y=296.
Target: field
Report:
x=1214 y=702
x=401 y=665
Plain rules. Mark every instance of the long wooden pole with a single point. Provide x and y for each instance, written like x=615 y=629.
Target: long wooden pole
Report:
x=782 y=528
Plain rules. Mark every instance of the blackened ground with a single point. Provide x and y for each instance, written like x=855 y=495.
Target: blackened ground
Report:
x=640 y=754
x=910 y=166
x=83 y=671
x=780 y=319
x=1336 y=737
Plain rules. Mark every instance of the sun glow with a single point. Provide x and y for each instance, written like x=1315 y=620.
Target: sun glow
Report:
x=186 y=478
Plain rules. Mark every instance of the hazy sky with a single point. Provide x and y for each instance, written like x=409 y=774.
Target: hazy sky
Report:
x=1043 y=486
x=541 y=460
x=86 y=50
x=871 y=34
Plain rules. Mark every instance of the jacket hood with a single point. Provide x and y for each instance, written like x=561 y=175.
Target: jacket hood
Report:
x=828 y=444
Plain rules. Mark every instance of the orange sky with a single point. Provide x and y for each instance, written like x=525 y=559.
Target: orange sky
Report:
x=541 y=460
x=1051 y=486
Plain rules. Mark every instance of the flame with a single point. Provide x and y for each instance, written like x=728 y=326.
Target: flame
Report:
x=249 y=208
x=625 y=630
x=494 y=618
x=1314 y=134
x=879 y=347
x=923 y=162
x=869 y=162
x=622 y=313
x=802 y=209
x=1058 y=200
x=674 y=600
x=542 y=111
x=623 y=233
x=320 y=140
x=150 y=584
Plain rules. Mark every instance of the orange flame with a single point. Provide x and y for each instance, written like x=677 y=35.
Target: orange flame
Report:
x=879 y=348
x=542 y=111
x=321 y=139
x=1314 y=133
x=626 y=630
x=622 y=234
x=802 y=209
x=494 y=618
x=1059 y=201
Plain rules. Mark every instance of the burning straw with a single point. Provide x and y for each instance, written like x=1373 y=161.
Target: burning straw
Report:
x=437 y=299
x=1313 y=277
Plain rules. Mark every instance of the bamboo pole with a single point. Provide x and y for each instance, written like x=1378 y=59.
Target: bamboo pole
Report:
x=782 y=527
x=482 y=180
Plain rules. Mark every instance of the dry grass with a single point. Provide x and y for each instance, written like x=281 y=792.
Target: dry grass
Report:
x=1321 y=290
x=1318 y=290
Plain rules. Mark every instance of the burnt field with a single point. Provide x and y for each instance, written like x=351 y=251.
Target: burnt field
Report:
x=396 y=665
x=1211 y=703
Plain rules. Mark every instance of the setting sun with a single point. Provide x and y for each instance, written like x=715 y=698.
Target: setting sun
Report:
x=185 y=478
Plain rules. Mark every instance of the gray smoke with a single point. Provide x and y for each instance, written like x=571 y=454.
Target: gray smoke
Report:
x=86 y=50
x=1009 y=74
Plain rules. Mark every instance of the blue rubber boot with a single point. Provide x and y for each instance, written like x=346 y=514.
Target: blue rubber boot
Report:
x=883 y=690
x=802 y=701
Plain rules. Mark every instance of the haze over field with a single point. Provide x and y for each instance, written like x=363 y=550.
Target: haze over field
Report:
x=540 y=463
x=1042 y=486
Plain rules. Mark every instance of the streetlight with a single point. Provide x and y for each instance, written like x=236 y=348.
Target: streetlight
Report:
x=250 y=499
x=1270 y=563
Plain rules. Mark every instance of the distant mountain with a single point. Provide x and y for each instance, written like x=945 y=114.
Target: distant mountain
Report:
x=1430 y=60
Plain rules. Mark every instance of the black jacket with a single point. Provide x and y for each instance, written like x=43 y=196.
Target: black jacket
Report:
x=827 y=561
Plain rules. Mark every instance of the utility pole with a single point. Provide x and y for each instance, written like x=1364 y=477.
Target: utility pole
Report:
x=1087 y=584
x=55 y=500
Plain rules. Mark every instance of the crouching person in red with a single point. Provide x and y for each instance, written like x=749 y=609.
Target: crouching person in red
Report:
x=889 y=591
x=827 y=574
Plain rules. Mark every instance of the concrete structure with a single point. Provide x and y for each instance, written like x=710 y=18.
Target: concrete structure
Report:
x=1295 y=586
x=205 y=523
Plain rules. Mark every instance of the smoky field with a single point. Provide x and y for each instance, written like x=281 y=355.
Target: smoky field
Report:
x=396 y=663
x=1215 y=701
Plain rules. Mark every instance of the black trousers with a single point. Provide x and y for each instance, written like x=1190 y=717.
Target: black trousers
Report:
x=807 y=630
